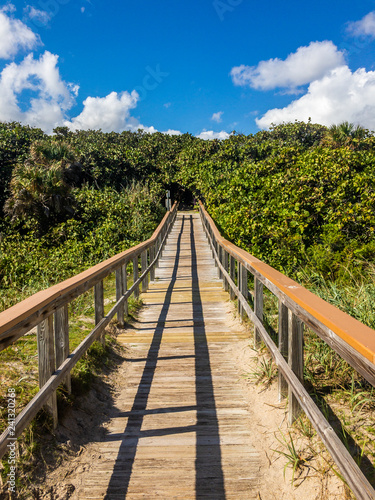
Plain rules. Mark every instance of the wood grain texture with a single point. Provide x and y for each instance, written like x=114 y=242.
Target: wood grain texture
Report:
x=182 y=429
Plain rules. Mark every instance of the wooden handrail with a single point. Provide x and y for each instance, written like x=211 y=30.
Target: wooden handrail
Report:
x=20 y=318
x=38 y=309
x=296 y=305
x=353 y=340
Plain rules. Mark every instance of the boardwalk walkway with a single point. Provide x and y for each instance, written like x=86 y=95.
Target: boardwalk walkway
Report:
x=182 y=425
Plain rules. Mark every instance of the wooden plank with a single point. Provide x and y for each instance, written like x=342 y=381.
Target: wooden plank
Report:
x=46 y=362
x=61 y=322
x=183 y=425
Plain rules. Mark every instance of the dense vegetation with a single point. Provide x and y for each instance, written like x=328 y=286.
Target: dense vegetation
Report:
x=300 y=196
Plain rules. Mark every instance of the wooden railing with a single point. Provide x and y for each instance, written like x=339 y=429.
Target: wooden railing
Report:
x=352 y=340
x=48 y=310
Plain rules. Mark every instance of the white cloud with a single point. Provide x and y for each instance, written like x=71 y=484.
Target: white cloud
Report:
x=366 y=26
x=41 y=16
x=299 y=68
x=52 y=97
x=9 y=7
x=167 y=105
x=110 y=113
x=339 y=96
x=216 y=117
x=172 y=132
x=210 y=134
x=14 y=35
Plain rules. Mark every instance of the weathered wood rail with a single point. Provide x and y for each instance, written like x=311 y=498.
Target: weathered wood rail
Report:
x=352 y=340
x=48 y=311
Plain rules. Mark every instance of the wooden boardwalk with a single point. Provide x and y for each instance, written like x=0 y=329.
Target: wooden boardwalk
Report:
x=182 y=423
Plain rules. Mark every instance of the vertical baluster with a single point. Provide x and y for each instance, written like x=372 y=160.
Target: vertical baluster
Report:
x=143 y=269
x=135 y=276
x=226 y=267
x=152 y=257
x=99 y=307
x=239 y=285
x=295 y=355
x=258 y=309
x=232 y=275
x=244 y=288
x=62 y=341
x=220 y=257
x=119 y=292
x=283 y=346
x=125 y=288
x=46 y=361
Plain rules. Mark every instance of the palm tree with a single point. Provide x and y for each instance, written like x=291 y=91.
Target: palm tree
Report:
x=344 y=134
x=39 y=190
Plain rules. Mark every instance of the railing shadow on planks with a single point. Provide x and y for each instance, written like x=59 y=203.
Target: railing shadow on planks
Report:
x=48 y=310
x=352 y=340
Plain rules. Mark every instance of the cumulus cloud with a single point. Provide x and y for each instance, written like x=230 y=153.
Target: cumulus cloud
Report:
x=307 y=64
x=339 y=96
x=363 y=27
x=216 y=117
x=14 y=35
x=110 y=113
x=51 y=96
x=210 y=134
x=41 y=16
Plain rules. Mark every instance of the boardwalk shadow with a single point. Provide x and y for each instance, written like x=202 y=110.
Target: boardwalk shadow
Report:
x=209 y=481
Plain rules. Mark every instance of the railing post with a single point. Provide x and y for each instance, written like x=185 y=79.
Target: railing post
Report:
x=135 y=276
x=152 y=257
x=158 y=243
x=220 y=257
x=232 y=275
x=226 y=267
x=46 y=360
x=258 y=309
x=62 y=341
x=119 y=293
x=283 y=347
x=239 y=285
x=295 y=355
x=125 y=288
x=99 y=306
x=143 y=269
x=244 y=289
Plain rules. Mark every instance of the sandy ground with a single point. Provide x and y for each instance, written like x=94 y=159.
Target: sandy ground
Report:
x=83 y=427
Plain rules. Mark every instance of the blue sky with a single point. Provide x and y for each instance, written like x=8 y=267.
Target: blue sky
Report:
x=205 y=67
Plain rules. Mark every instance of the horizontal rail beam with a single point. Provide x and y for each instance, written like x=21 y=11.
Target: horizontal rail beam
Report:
x=356 y=480
x=351 y=339
x=22 y=317
x=41 y=398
